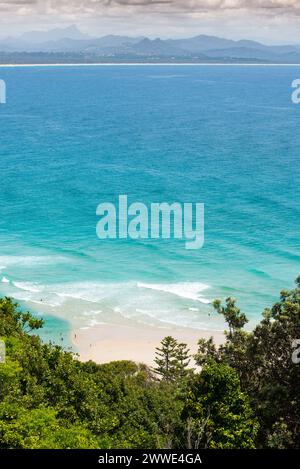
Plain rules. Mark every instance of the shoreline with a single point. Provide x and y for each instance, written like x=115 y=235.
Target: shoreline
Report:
x=132 y=64
x=105 y=343
x=119 y=339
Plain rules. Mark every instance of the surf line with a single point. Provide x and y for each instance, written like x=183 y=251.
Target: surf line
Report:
x=182 y=221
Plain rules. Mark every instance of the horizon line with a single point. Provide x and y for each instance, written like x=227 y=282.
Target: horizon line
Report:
x=109 y=64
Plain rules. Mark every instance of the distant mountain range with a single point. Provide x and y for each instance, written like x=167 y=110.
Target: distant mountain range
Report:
x=71 y=45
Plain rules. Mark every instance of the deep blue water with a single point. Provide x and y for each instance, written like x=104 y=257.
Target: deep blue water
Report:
x=72 y=137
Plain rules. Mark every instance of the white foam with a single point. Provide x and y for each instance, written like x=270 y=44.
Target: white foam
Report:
x=87 y=303
x=5 y=280
x=30 y=260
x=27 y=286
x=92 y=313
x=94 y=322
x=35 y=293
x=189 y=290
x=96 y=292
x=92 y=292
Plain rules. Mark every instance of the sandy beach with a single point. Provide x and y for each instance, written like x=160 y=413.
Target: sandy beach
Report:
x=106 y=343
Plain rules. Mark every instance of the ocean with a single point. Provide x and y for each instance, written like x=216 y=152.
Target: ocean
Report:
x=74 y=137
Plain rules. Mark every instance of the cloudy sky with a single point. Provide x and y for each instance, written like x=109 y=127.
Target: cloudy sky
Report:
x=272 y=21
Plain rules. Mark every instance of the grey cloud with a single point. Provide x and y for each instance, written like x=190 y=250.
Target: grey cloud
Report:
x=124 y=7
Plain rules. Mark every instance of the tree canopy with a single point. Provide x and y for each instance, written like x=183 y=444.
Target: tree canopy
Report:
x=242 y=394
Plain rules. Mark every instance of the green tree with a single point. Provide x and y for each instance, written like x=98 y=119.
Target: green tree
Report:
x=263 y=361
x=40 y=429
x=49 y=399
x=172 y=360
x=13 y=321
x=217 y=412
x=183 y=357
x=235 y=319
x=207 y=351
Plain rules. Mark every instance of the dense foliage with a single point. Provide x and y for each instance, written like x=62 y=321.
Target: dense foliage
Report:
x=243 y=394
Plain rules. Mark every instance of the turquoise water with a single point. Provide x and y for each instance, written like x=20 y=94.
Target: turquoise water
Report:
x=73 y=137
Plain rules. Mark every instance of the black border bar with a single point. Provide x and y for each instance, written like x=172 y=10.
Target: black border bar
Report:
x=144 y=458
